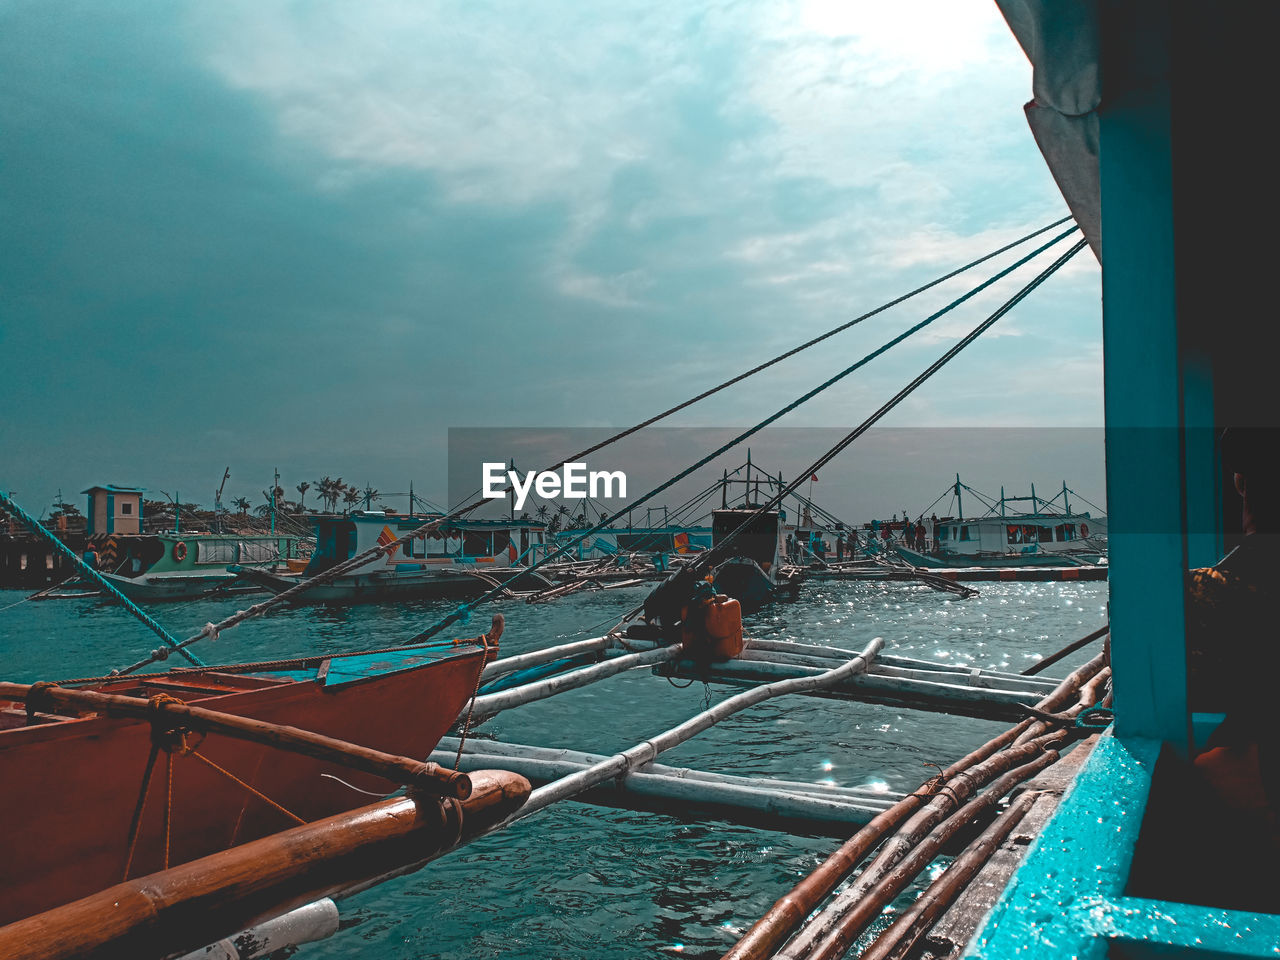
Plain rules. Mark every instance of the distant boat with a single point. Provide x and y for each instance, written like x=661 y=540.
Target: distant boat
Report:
x=1048 y=535
x=84 y=774
x=461 y=558
x=171 y=566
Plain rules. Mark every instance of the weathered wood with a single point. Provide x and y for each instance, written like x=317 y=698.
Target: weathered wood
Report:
x=921 y=836
x=426 y=777
x=957 y=926
x=202 y=901
x=901 y=937
x=769 y=932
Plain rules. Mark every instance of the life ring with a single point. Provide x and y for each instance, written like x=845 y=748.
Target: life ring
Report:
x=1084 y=530
x=179 y=551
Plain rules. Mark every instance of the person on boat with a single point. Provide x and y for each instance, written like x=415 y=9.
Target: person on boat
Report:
x=91 y=557
x=791 y=548
x=840 y=546
x=1221 y=812
x=920 y=534
x=908 y=533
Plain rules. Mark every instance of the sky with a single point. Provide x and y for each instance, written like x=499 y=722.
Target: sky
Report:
x=315 y=237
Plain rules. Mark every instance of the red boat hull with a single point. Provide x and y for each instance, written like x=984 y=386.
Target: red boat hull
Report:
x=69 y=789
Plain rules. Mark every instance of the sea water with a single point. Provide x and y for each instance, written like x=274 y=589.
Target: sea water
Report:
x=577 y=881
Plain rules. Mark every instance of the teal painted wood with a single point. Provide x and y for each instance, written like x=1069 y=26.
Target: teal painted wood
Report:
x=1067 y=899
x=1142 y=379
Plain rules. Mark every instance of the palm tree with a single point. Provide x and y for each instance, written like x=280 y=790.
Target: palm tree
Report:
x=325 y=485
x=370 y=496
x=302 y=489
x=242 y=504
x=350 y=496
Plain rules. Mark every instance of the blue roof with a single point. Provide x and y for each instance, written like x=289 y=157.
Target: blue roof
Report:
x=115 y=488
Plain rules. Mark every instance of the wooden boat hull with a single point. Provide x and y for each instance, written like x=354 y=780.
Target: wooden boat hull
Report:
x=170 y=587
x=71 y=787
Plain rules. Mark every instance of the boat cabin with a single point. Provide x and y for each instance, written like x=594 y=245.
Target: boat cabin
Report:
x=473 y=544
x=761 y=541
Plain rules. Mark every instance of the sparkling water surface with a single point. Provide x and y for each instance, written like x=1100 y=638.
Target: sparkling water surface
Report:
x=577 y=881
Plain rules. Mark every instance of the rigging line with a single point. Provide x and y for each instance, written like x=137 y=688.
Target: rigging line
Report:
x=897 y=398
x=466 y=608
x=286 y=596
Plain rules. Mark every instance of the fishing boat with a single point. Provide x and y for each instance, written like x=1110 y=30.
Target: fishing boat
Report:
x=752 y=572
x=460 y=558
x=1049 y=534
x=102 y=785
x=170 y=566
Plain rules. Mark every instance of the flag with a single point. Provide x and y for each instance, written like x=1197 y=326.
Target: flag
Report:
x=813 y=478
x=681 y=541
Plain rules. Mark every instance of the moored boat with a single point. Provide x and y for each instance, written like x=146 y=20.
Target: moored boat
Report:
x=180 y=567
x=1049 y=534
x=102 y=796
x=752 y=571
x=459 y=559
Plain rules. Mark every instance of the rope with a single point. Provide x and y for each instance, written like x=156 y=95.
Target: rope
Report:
x=288 y=595
x=701 y=560
x=471 y=706
x=231 y=776
x=95 y=577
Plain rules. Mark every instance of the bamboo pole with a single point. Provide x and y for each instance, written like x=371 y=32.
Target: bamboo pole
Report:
x=734 y=802
x=507 y=665
x=888 y=660
x=1066 y=651
x=772 y=930
x=848 y=915
x=497 y=750
x=900 y=938
x=427 y=777
x=974 y=678
x=647 y=751
x=1006 y=704
x=200 y=902
x=492 y=703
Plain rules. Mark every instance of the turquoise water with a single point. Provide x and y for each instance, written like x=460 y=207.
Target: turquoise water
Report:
x=577 y=881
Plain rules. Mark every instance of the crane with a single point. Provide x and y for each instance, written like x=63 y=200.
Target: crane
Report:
x=217 y=498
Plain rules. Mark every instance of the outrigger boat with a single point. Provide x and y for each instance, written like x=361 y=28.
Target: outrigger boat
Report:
x=172 y=566
x=115 y=779
x=1050 y=534
x=194 y=565
x=459 y=559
